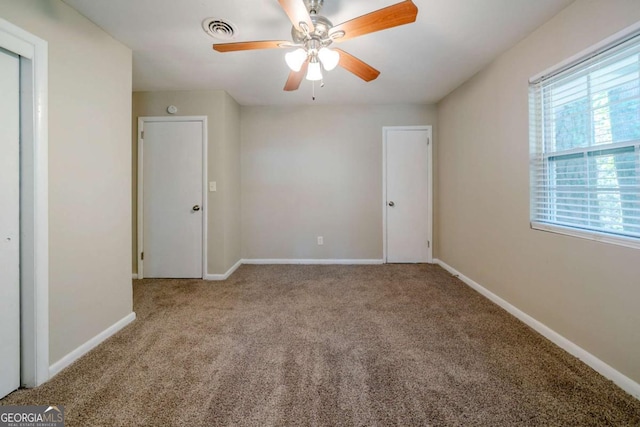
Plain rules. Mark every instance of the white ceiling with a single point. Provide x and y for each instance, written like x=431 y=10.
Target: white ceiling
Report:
x=419 y=63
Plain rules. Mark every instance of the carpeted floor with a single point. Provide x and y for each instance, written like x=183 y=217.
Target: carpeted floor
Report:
x=328 y=346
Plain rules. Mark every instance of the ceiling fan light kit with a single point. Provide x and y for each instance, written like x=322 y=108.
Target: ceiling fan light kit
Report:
x=295 y=59
x=312 y=35
x=329 y=58
x=314 y=73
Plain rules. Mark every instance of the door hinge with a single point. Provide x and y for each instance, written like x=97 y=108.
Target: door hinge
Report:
x=428 y=141
x=142 y=135
x=142 y=256
x=428 y=243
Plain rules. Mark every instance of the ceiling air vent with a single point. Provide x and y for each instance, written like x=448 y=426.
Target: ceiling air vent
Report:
x=219 y=29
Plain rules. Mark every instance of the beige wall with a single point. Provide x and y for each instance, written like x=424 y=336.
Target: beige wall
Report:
x=316 y=171
x=351 y=223
x=584 y=290
x=223 y=114
x=89 y=172
x=231 y=171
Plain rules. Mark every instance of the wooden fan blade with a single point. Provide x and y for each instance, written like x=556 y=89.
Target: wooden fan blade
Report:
x=267 y=44
x=297 y=13
x=389 y=17
x=295 y=78
x=361 y=69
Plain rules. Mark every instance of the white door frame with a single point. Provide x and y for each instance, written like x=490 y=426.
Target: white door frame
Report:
x=34 y=204
x=141 y=122
x=385 y=131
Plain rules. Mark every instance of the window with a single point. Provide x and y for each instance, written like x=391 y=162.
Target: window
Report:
x=585 y=147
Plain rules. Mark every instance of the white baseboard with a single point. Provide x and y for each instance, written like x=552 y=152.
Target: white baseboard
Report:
x=226 y=275
x=314 y=261
x=90 y=345
x=134 y=276
x=621 y=380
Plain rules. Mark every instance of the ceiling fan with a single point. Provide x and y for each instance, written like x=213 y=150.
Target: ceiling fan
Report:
x=312 y=35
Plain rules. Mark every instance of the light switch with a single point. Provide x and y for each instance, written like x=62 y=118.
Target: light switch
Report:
x=212 y=186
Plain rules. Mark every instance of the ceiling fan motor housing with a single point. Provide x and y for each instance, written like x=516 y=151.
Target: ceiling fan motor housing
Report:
x=321 y=31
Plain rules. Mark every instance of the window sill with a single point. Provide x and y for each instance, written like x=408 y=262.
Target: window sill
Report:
x=628 y=242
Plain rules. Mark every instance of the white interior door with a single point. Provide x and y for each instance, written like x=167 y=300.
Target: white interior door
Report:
x=9 y=222
x=408 y=222
x=173 y=209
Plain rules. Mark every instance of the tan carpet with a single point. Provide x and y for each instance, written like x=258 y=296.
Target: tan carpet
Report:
x=328 y=345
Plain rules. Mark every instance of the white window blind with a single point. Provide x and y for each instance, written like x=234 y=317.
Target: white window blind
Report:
x=585 y=146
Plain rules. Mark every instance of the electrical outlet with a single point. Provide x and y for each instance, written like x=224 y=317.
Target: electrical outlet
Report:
x=320 y=240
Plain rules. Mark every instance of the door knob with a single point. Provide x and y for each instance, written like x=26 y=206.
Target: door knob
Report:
x=196 y=208
x=392 y=204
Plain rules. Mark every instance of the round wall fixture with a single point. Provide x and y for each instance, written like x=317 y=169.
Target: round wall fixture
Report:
x=172 y=109
x=219 y=29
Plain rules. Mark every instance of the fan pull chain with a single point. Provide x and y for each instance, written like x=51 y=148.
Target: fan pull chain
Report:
x=313 y=86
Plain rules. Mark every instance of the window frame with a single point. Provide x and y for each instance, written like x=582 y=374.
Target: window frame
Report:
x=538 y=135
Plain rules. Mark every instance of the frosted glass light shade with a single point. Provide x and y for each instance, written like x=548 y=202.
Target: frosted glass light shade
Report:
x=314 y=72
x=329 y=58
x=295 y=59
